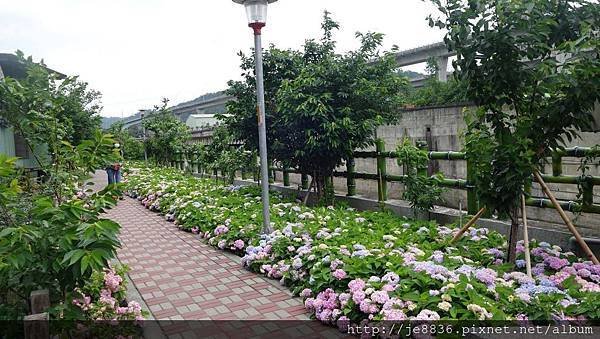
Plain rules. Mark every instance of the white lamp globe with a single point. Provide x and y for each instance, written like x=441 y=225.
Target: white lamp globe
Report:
x=256 y=10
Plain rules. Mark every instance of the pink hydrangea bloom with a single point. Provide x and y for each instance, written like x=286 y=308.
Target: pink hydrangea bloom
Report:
x=239 y=244
x=339 y=274
x=356 y=285
x=358 y=296
x=306 y=293
x=555 y=262
x=367 y=306
x=393 y=315
x=343 y=298
x=112 y=281
x=380 y=297
x=427 y=315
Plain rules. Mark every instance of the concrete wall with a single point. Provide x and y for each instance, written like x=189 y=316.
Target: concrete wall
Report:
x=7 y=147
x=442 y=128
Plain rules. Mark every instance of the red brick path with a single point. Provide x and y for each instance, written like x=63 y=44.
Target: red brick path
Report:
x=180 y=277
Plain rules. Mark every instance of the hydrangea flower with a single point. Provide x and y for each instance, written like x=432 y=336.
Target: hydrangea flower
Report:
x=391 y=277
x=380 y=297
x=368 y=306
x=358 y=296
x=444 y=306
x=239 y=244
x=339 y=274
x=486 y=275
x=393 y=315
x=427 y=315
x=480 y=312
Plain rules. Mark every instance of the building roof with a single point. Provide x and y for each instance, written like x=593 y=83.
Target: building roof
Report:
x=14 y=68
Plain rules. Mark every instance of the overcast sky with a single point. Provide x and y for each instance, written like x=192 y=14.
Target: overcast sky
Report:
x=137 y=51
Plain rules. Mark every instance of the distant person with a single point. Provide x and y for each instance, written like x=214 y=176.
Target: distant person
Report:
x=114 y=171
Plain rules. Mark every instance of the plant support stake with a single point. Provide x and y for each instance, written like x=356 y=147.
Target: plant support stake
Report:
x=566 y=219
x=468 y=225
x=526 y=236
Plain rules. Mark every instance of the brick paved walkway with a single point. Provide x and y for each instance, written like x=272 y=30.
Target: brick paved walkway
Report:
x=180 y=277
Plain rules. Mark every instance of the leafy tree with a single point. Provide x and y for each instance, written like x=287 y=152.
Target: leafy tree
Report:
x=321 y=105
x=335 y=103
x=51 y=233
x=80 y=109
x=35 y=107
x=223 y=153
x=166 y=134
x=531 y=67
x=133 y=149
x=435 y=92
x=421 y=190
x=240 y=119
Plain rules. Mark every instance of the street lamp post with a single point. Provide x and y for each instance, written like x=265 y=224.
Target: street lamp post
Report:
x=256 y=11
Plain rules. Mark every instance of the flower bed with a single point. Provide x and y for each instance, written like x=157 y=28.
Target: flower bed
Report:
x=355 y=266
x=100 y=308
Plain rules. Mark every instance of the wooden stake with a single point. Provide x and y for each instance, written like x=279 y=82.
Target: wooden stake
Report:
x=526 y=236
x=564 y=217
x=312 y=182
x=468 y=225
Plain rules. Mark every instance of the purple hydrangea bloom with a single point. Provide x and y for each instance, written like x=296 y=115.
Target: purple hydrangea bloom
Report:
x=486 y=275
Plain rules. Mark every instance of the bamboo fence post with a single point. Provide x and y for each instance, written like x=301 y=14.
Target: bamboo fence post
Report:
x=304 y=181
x=556 y=164
x=526 y=236
x=272 y=175
x=471 y=197
x=381 y=171
x=286 y=177
x=350 y=181
x=566 y=219
x=468 y=225
x=588 y=191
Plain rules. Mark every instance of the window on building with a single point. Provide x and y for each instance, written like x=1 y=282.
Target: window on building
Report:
x=21 y=149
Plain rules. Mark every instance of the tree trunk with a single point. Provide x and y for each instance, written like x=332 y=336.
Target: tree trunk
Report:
x=319 y=185
x=513 y=237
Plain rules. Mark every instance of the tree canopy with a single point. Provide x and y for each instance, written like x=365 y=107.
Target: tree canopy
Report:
x=532 y=68
x=166 y=133
x=321 y=105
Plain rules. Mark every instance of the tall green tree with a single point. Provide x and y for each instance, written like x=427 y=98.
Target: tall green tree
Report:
x=133 y=149
x=241 y=118
x=532 y=68
x=166 y=134
x=51 y=232
x=80 y=108
x=321 y=105
x=39 y=108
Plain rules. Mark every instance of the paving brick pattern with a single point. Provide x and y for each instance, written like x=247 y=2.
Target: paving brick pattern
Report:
x=180 y=277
